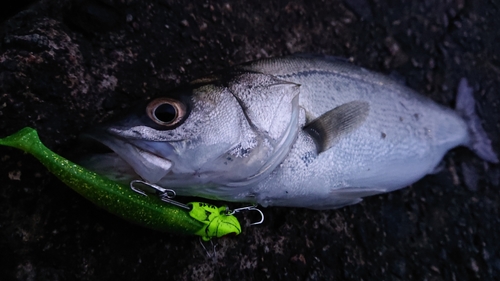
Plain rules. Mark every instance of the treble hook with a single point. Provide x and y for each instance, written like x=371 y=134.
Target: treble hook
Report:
x=164 y=194
x=248 y=208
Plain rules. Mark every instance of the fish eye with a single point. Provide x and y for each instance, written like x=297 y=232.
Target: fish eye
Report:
x=166 y=111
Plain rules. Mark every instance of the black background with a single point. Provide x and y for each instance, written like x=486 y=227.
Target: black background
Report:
x=66 y=65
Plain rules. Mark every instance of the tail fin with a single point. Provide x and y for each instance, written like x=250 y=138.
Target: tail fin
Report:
x=479 y=141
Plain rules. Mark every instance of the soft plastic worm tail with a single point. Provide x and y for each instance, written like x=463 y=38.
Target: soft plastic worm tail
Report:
x=24 y=139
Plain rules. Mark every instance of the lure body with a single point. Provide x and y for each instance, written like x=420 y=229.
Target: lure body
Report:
x=121 y=200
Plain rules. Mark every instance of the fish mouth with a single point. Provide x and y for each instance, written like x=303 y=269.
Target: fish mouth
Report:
x=129 y=158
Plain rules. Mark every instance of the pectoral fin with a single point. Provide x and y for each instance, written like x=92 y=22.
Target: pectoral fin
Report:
x=329 y=127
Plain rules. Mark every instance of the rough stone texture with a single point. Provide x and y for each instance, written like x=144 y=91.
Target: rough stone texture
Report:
x=66 y=65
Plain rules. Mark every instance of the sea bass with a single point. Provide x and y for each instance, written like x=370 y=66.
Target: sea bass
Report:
x=293 y=131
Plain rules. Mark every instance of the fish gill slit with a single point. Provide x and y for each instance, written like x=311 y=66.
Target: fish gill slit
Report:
x=249 y=121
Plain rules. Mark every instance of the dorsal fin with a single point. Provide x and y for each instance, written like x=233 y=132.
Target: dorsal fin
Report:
x=326 y=129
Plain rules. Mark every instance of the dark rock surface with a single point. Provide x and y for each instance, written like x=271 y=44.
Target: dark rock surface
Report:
x=66 y=65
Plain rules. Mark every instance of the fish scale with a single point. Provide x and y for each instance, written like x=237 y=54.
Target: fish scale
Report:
x=354 y=162
x=325 y=133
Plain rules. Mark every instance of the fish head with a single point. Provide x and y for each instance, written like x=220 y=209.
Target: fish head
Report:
x=228 y=130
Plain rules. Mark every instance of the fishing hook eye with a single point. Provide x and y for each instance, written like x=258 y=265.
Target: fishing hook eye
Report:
x=166 y=111
x=164 y=194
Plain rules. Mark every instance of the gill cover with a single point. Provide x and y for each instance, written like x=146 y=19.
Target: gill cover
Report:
x=271 y=109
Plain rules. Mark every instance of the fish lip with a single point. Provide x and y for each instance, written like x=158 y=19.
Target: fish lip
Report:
x=138 y=154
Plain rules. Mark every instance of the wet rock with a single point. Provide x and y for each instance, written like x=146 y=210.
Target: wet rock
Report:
x=67 y=65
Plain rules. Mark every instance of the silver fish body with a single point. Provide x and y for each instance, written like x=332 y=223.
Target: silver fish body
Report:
x=293 y=131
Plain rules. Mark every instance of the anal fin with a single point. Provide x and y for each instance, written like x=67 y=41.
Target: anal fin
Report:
x=339 y=198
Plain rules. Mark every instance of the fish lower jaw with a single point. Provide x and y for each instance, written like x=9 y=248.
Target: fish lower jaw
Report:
x=161 y=163
x=152 y=168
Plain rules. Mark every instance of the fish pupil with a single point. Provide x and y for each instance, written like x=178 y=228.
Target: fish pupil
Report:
x=165 y=113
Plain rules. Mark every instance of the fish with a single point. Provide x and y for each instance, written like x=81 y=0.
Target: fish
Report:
x=297 y=131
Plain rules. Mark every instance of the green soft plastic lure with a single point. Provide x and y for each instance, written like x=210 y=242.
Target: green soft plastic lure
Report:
x=202 y=219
